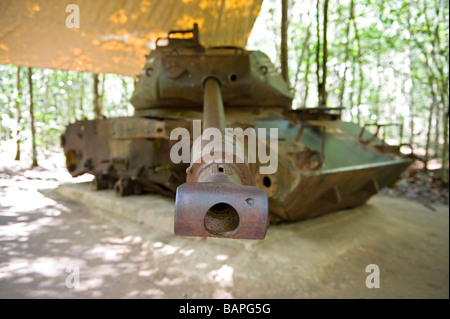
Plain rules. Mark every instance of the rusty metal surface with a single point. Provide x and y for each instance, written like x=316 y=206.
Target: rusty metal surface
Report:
x=213 y=112
x=195 y=213
x=216 y=201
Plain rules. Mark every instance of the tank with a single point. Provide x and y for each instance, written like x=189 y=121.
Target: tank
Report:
x=215 y=128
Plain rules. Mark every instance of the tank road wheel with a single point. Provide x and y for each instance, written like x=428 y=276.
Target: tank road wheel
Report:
x=100 y=182
x=137 y=189
x=123 y=187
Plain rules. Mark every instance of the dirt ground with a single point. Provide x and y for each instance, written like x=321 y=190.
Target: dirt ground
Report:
x=45 y=236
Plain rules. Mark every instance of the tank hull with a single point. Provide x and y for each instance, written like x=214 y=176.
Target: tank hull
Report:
x=132 y=155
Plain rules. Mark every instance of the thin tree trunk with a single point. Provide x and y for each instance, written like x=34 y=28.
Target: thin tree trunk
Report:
x=411 y=81
x=300 y=59
x=102 y=90
x=322 y=81
x=361 y=75
x=33 y=129
x=352 y=85
x=283 y=44
x=97 y=110
x=46 y=79
x=308 y=65
x=411 y=102
x=437 y=129
x=46 y=97
x=444 y=170
x=81 y=94
x=17 y=114
x=430 y=121
x=342 y=88
x=319 y=81
x=71 y=97
x=376 y=103
x=325 y=56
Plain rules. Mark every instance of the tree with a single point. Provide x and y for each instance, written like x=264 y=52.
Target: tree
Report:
x=17 y=114
x=97 y=103
x=322 y=64
x=347 y=52
x=34 y=162
x=283 y=44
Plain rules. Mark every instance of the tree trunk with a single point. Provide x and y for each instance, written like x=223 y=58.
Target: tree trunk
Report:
x=80 y=81
x=352 y=86
x=100 y=94
x=430 y=121
x=322 y=81
x=46 y=140
x=124 y=96
x=361 y=75
x=97 y=106
x=300 y=59
x=70 y=97
x=437 y=125
x=33 y=129
x=308 y=64
x=411 y=102
x=444 y=171
x=410 y=79
x=323 y=86
x=283 y=44
x=318 y=53
x=342 y=88
x=17 y=114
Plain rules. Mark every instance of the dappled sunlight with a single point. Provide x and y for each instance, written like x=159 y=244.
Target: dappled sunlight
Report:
x=108 y=252
x=223 y=278
x=221 y=257
x=32 y=9
x=165 y=249
x=169 y=282
x=187 y=21
x=41 y=237
x=118 y=17
x=154 y=293
x=38 y=35
x=147 y=273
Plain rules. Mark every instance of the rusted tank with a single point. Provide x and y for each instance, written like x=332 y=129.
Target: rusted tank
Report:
x=252 y=159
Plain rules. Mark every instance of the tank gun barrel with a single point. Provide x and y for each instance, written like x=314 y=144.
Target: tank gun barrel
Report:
x=218 y=199
x=213 y=111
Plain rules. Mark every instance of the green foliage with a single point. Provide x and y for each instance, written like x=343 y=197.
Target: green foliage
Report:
x=403 y=51
x=60 y=98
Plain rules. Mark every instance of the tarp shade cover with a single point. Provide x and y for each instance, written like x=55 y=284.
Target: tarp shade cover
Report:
x=114 y=35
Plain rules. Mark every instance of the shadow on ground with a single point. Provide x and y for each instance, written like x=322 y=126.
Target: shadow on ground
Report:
x=45 y=238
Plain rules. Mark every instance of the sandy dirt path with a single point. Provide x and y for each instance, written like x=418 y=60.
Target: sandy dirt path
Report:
x=46 y=239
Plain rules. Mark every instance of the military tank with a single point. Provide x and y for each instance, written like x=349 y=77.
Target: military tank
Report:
x=215 y=127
